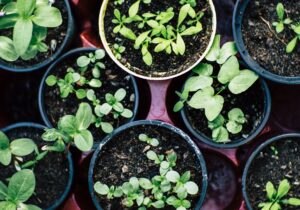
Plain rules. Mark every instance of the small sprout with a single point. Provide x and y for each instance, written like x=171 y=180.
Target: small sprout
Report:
x=236 y=119
x=152 y=141
x=119 y=2
x=151 y=155
x=281 y=19
x=20 y=188
x=293 y=43
x=191 y=2
x=110 y=192
x=275 y=198
x=119 y=49
x=274 y=150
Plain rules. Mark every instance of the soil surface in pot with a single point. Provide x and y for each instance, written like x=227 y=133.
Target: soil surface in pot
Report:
x=51 y=173
x=264 y=45
x=55 y=38
x=270 y=167
x=125 y=157
x=251 y=102
x=112 y=79
x=163 y=64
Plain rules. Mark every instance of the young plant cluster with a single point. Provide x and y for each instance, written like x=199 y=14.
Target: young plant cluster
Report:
x=76 y=82
x=168 y=188
x=157 y=28
x=28 y=20
x=291 y=24
x=200 y=93
x=275 y=198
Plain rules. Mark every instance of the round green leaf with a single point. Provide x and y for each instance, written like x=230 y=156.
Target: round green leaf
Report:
x=47 y=16
x=107 y=127
x=173 y=176
x=68 y=124
x=22 y=147
x=191 y=187
x=95 y=83
x=227 y=50
x=242 y=82
x=120 y=94
x=25 y=7
x=101 y=189
x=100 y=54
x=84 y=141
x=51 y=80
x=7 y=49
x=145 y=183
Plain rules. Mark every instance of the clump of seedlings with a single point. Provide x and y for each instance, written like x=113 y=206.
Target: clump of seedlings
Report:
x=280 y=27
x=162 y=31
x=77 y=81
x=275 y=198
x=20 y=188
x=29 y=20
x=201 y=92
x=168 y=188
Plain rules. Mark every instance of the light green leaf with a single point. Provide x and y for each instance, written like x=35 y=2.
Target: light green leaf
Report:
x=5 y=157
x=25 y=7
x=22 y=35
x=51 y=80
x=214 y=51
x=192 y=30
x=204 y=69
x=101 y=189
x=107 y=127
x=270 y=190
x=84 y=116
x=134 y=9
x=198 y=82
x=7 y=49
x=7 y=205
x=84 y=140
x=294 y=201
x=105 y=108
x=280 y=11
x=4 y=141
x=145 y=183
x=21 y=185
x=234 y=127
x=141 y=38
x=127 y=33
x=183 y=13
x=242 y=82
x=68 y=124
x=8 y=21
x=291 y=45
x=3 y=191
x=191 y=188
x=180 y=44
x=283 y=189
x=220 y=135
x=120 y=94
x=22 y=147
x=173 y=176
x=46 y=16
x=228 y=49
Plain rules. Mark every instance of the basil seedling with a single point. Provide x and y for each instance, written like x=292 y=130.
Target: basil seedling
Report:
x=276 y=197
x=29 y=20
x=20 y=188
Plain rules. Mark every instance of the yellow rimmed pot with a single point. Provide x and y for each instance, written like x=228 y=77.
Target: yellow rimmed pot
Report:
x=158 y=70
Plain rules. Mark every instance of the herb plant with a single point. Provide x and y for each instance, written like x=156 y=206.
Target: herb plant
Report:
x=293 y=43
x=76 y=82
x=157 y=29
x=168 y=188
x=275 y=198
x=200 y=93
x=29 y=20
x=20 y=188
x=17 y=148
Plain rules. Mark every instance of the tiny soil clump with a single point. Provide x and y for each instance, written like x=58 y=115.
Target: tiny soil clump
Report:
x=51 y=173
x=275 y=168
x=90 y=77
x=160 y=38
x=153 y=157
x=271 y=32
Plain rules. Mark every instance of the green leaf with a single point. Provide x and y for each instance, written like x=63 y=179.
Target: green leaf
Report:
x=21 y=185
x=7 y=205
x=80 y=93
x=127 y=33
x=29 y=207
x=228 y=49
x=147 y=58
x=10 y=8
x=127 y=114
x=198 y=82
x=173 y=176
x=283 y=189
x=84 y=116
x=191 y=188
x=237 y=115
x=178 y=106
x=101 y=189
x=133 y=10
x=234 y=127
x=5 y=157
x=229 y=70
x=279 y=27
x=204 y=69
x=26 y=7
x=214 y=51
x=145 y=183
x=3 y=191
x=8 y=21
x=183 y=13
x=120 y=94
x=83 y=61
x=51 y=80
x=95 y=83
x=141 y=38
x=22 y=147
x=107 y=127
x=84 y=140
x=293 y=201
x=22 y=35
x=280 y=11
x=99 y=54
x=4 y=141
x=180 y=44
x=158 y=204
x=192 y=30
x=270 y=190
x=46 y=16
x=7 y=49
x=291 y=45
x=68 y=124
x=220 y=135
x=217 y=122
x=105 y=108
x=242 y=82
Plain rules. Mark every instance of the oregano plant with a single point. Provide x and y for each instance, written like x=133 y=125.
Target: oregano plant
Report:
x=29 y=21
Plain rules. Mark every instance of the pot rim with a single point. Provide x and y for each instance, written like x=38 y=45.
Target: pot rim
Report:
x=237 y=19
x=37 y=66
x=170 y=127
x=42 y=108
x=281 y=137
x=63 y=197
x=110 y=53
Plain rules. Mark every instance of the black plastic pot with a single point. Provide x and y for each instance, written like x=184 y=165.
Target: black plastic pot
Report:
x=63 y=197
x=53 y=66
x=237 y=20
x=148 y=122
x=254 y=154
x=236 y=143
x=67 y=41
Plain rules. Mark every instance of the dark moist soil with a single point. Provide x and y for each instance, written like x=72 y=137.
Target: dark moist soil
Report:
x=252 y=103
x=123 y=158
x=56 y=34
x=112 y=79
x=163 y=64
x=262 y=44
x=270 y=167
x=51 y=173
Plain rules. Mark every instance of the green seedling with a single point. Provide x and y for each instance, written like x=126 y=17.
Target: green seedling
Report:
x=17 y=148
x=281 y=18
x=152 y=141
x=110 y=192
x=20 y=188
x=119 y=2
x=275 y=198
x=71 y=130
x=118 y=50
x=158 y=159
x=191 y=2
x=293 y=43
x=29 y=20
